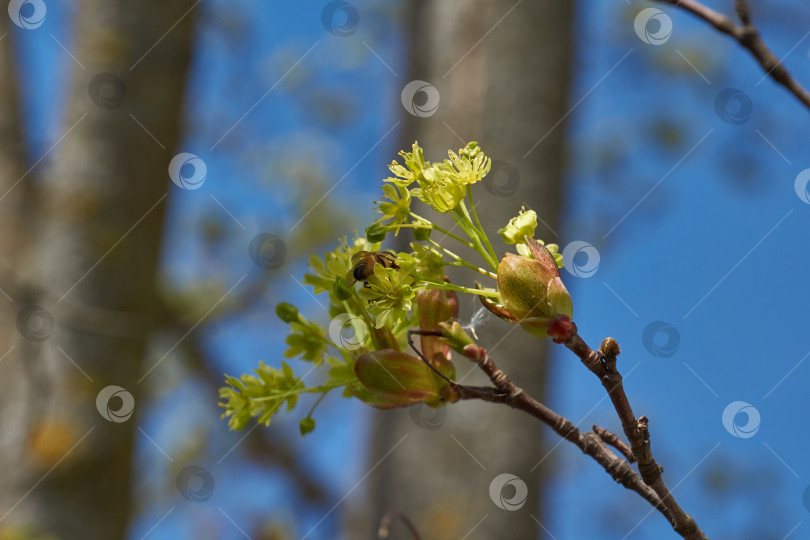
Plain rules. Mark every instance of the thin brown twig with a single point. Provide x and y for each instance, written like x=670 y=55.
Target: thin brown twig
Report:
x=603 y=365
x=486 y=393
x=590 y=443
x=748 y=36
x=613 y=440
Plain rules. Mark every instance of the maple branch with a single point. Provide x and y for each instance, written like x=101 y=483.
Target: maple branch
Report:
x=590 y=443
x=603 y=365
x=748 y=36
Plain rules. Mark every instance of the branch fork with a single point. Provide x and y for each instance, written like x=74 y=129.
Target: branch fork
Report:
x=647 y=482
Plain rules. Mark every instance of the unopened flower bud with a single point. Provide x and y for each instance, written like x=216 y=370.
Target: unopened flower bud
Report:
x=306 y=425
x=376 y=232
x=474 y=352
x=610 y=348
x=366 y=396
x=384 y=338
x=396 y=379
x=455 y=336
x=434 y=307
x=531 y=290
x=287 y=312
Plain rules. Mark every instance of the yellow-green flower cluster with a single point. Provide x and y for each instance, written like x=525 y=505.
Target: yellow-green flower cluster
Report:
x=429 y=261
x=260 y=395
x=386 y=294
x=439 y=188
x=410 y=173
x=399 y=209
x=519 y=227
x=441 y=185
x=335 y=265
x=307 y=340
x=389 y=294
x=471 y=163
x=522 y=226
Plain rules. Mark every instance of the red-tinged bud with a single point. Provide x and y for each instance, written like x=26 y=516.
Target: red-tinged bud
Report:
x=561 y=328
x=366 y=396
x=474 y=352
x=531 y=290
x=435 y=306
x=396 y=379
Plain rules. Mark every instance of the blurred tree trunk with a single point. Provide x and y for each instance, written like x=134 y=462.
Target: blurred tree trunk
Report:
x=89 y=257
x=507 y=92
x=12 y=158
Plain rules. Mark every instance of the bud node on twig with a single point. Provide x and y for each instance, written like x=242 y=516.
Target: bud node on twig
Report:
x=610 y=348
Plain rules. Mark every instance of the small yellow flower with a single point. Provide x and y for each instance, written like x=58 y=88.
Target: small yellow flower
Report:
x=440 y=188
x=519 y=227
x=399 y=208
x=410 y=173
x=389 y=295
x=471 y=163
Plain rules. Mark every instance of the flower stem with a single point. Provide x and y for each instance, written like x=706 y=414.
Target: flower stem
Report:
x=462 y=262
x=364 y=312
x=317 y=402
x=441 y=285
x=322 y=389
x=462 y=218
x=444 y=231
x=478 y=224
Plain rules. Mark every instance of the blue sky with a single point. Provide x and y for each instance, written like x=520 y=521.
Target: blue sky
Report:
x=707 y=236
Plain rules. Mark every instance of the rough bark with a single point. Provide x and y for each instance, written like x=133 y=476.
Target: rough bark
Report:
x=93 y=254
x=506 y=91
